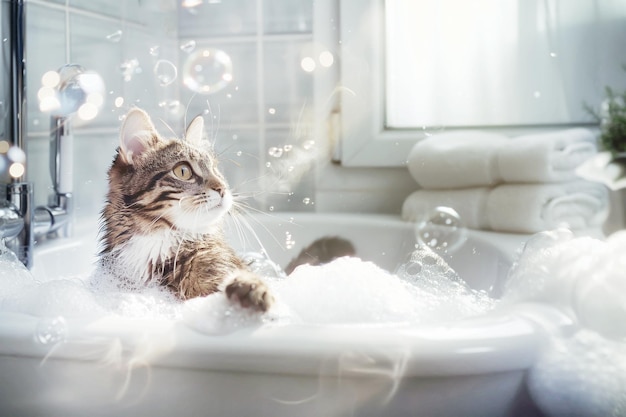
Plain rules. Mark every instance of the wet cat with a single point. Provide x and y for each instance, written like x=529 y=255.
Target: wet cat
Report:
x=162 y=222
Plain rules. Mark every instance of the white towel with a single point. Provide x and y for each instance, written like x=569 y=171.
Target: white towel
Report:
x=531 y=208
x=456 y=160
x=546 y=157
x=476 y=159
x=517 y=208
x=469 y=203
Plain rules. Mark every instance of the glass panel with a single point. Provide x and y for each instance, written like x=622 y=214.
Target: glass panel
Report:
x=216 y=19
x=288 y=96
x=288 y=16
x=500 y=62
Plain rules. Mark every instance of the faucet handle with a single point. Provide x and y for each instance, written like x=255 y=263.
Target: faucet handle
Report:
x=11 y=222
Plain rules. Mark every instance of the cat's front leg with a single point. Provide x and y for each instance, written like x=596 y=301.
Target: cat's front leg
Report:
x=250 y=291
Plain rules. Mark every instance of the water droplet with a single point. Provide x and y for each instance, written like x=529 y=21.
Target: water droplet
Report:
x=441 y=230
x=268 y=164
x=271 y=208
x=165 y=71
x=129 y=68
x=207 y=71
x=51 y=331
x=239 y=153
x=275 y=152
x=188 y=46
x=115 y=36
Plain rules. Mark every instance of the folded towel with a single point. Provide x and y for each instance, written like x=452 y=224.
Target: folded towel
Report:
x=518 y=208
x=456 y=160
x=469 y=203
x=546 y=157
x=476 y=159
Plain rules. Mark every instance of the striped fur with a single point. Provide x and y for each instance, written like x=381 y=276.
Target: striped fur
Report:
x=163 y=215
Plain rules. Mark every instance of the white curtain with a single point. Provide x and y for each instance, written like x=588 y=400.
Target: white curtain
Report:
x=500 y=62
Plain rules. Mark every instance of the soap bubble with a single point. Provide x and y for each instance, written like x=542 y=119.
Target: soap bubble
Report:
x=260 y=264
x=188 y=46
x=70 y=90
x=165 y=71
x=424 y=264
x=441 y=230
x=51 y=331
x=275 y=152
x=207 y=71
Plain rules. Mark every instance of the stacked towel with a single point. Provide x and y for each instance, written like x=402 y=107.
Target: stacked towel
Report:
x=525 y=185
x=517 y=208
x=462 y=159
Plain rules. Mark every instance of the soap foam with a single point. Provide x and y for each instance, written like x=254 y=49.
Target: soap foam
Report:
x=580 y=374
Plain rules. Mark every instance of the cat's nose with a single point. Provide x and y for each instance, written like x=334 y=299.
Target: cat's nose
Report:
x=219 y=189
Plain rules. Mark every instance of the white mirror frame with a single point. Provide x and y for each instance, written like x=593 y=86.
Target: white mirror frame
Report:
x=364 y=139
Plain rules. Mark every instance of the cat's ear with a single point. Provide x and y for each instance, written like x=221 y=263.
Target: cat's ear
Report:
x=137 y=134
x=195 y=130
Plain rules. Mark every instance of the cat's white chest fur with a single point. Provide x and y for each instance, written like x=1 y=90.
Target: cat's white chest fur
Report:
x=138 y=259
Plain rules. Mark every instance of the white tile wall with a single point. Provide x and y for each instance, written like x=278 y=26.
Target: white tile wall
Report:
x=268 y=105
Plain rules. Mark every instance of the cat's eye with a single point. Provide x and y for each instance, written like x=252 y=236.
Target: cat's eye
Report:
x=183 y=171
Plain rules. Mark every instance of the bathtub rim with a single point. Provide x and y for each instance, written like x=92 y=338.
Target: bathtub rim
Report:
x=429 y=347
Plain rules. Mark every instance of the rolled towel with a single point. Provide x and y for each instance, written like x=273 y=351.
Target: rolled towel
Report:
x=517 y=208
x=531 y=208
x=456 y=160
x=545 y=157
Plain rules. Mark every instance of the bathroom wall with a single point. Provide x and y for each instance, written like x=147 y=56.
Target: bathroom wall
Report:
x=262 y=121
x=114 y=39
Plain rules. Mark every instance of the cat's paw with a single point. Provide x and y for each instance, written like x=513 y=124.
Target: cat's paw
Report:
x=249 y=291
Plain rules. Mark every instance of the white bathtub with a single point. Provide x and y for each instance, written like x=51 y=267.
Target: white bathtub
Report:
x=159 y=367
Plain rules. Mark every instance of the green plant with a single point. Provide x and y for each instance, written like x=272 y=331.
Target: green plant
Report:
x=612 y=120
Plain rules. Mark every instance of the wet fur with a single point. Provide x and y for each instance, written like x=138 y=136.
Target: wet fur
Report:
x=159 y=228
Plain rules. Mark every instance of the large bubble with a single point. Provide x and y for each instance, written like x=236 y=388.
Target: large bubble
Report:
x=207 y=71
x=441 y=230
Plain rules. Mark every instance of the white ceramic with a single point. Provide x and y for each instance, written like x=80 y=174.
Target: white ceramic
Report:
x=158 y=367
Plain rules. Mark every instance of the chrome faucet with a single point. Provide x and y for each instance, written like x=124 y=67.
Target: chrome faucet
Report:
x=19 y=221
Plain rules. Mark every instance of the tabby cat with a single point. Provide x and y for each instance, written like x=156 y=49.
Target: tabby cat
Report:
x=162 y=222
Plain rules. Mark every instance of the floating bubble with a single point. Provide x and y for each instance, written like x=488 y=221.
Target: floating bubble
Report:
x=155 y=50
x=287 y=148
x=207 y=71
x=308 y=145
x=129 y=68
x=188 y=46
x=306 y=200
x=442 y=230
x=165 y=71
x=51 y=331
x=275 y=152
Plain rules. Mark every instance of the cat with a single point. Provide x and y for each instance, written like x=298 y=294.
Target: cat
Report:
x=162 y=220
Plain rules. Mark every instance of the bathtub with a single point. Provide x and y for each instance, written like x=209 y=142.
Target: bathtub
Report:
x=159 y=367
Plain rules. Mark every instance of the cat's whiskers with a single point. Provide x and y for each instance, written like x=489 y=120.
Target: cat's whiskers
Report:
x=240 y=214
